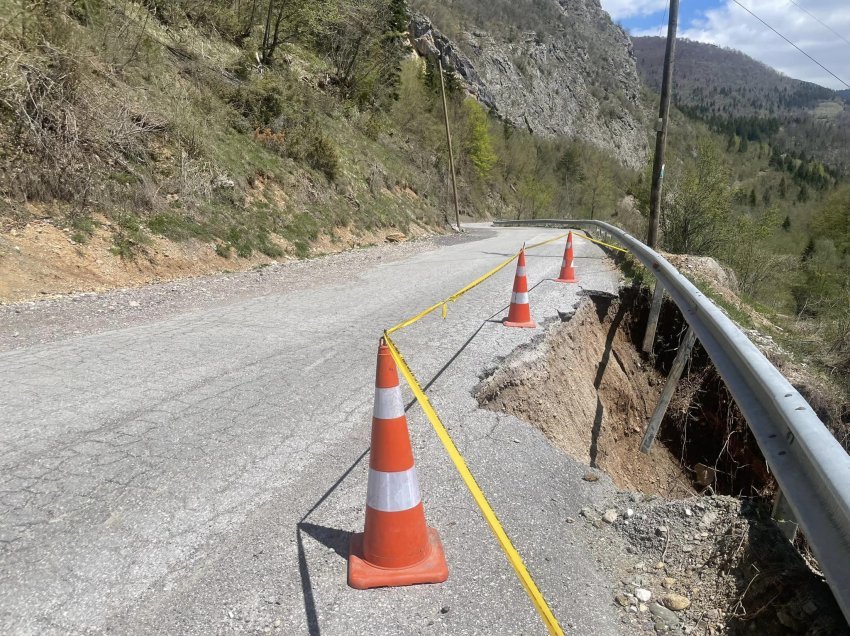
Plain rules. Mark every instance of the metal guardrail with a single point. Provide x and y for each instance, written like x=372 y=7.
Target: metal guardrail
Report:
x=812 y=468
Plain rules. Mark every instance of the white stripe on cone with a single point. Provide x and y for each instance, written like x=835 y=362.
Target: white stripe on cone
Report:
x=520 y=270
x=388 y=403
x=392 y=492
x=519 y=298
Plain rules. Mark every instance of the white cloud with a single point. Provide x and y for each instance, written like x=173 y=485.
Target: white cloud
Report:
x=730 y=25
x=661 y=30
x=619 y=9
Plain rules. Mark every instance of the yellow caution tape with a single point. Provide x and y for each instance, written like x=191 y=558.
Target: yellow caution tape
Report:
x=504 y=542
x=593 y=240
x=444 y=304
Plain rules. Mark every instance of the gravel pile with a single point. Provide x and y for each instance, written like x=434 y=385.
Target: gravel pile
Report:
x=710 y=565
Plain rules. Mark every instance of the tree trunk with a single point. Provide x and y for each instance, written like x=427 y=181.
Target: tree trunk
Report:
x=266 y=33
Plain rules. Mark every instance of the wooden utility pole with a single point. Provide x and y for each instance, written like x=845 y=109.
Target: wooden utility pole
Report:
x=661 y=126
x=449 y=140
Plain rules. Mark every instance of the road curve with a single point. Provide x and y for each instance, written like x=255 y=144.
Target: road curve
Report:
x=200 y=474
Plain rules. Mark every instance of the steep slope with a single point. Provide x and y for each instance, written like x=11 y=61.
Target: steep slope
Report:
x=737 y=94
x=555 y=67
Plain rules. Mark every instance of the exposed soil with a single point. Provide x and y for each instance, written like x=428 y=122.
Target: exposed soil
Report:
x=689 y=564
x=42 y=259
x=587 y=388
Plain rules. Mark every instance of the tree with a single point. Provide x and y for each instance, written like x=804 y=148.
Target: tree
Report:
x=752 y=199
x=786 y=224
x=695 y=217
x=479 y=146
x=783 y=188
x=596 y=188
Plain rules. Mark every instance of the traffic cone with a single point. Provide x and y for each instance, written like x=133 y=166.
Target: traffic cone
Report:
x=396 y=546
x=519 y=315
x=568 y=274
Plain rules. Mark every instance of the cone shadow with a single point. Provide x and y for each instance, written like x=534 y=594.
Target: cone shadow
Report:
x=336 y=540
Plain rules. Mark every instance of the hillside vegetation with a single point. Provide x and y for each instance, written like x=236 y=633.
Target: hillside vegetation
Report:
x=254 y=127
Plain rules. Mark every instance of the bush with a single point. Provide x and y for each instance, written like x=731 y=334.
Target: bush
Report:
x=323 y=156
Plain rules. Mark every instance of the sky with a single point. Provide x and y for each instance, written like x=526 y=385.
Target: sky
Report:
x=724 y=23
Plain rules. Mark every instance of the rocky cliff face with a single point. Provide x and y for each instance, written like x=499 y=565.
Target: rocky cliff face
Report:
x=578 y=78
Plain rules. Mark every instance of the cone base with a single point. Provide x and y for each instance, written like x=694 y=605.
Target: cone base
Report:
x=566 y=280
x=363 y=575
x=525 y=325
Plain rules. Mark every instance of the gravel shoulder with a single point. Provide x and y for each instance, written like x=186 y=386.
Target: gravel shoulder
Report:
x=57 y=317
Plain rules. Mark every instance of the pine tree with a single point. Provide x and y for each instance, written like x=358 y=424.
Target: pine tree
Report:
x=752 y=198
x=783 y=188
x=786 y=224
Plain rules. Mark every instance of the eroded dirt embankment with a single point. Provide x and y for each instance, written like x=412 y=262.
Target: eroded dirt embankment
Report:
x=695 y=550
x=587 y=388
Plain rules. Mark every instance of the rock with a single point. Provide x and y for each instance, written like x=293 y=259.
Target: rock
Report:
x=587 y=513
x=444 y=609
x=610 y=516
x=133 y=303
x=629 y=513
x=547 y=92
x=622 y=600
x=704 y=475
x=663 y=616
x=661 y=531
x=668 y=582
x=570 y=520
x=642 y=607
x=689 y=512
x=810 y=608
x=277 y=622
x=590 y=477
x=676 y=602
x=395 y=237
x=708 y=519
x=642 y=594
x=659 y=565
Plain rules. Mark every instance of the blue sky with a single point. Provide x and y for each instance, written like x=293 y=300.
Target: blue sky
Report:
x=724 y=23
x=688 y=12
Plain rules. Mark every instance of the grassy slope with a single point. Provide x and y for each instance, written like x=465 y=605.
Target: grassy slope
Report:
x=196 y=169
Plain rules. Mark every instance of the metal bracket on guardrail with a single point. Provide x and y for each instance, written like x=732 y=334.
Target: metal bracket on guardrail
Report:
x=810 y=466
x=673 y=377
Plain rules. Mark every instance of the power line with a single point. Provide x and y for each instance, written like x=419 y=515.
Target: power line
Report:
x=818 y=20
x=791 y=43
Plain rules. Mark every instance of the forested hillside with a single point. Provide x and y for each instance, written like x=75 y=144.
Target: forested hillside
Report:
x=736 y=95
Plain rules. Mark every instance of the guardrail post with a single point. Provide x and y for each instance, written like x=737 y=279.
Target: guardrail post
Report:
x=669 y=388
x=784 y=516
x=652 y=321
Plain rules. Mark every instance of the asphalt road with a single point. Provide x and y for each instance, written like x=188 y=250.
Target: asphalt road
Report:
x=201 y=473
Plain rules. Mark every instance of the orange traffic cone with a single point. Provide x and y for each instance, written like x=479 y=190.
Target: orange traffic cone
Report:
x=519 y=315
x=396 y=546
x=568 y=274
